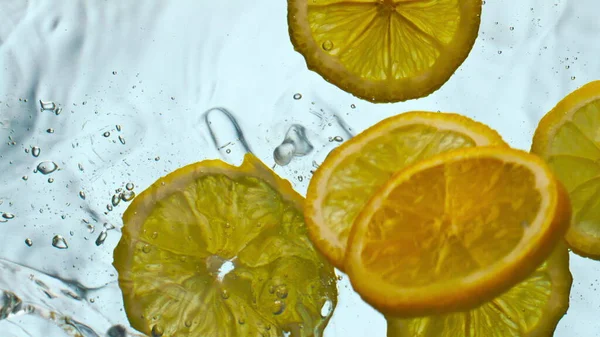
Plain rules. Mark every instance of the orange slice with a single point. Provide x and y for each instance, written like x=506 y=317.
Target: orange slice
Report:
x=384 y=50
x=456 y=230
x=214 y=250
x=354 y=171
x=532 y=308
x=568 y=138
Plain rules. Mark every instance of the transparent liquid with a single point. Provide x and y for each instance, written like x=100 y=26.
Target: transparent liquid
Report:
x=99 y=99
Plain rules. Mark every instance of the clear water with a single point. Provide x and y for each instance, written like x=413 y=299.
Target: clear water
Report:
x=100 y=98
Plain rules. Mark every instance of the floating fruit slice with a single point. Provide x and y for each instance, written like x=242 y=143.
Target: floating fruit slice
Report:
x=568 y=138
x=530 y=309
x=456 y=230
x=354 y=171
x=214 y=250
x=384 y=50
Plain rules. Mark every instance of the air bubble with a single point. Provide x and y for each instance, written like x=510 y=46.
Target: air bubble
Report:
x=327 y=308
x=47 y=167
x=297 y=96
x=28 y=242
x=59 y=242
x=278 y=307
x=121 y=139
x=294 y=144
x=129 y=186
x=82 y=195
x=116 y=198
x=35 y=151
x=8 y=216
x=327 y=45
x=101 y=237
x=106 y=134
x=127 y=195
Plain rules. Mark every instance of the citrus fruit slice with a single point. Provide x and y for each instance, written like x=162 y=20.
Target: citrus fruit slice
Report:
x=214 y=250
x=354 y=171
x=530 y=309
x=384 y=50
x=456 y=230
x=568 y=138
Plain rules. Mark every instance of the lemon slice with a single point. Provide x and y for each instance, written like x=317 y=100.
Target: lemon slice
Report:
x=532 y=308
x=568 y=138
x=354 y=171
x=384 y=50
x=214 y=250
x=456 y=230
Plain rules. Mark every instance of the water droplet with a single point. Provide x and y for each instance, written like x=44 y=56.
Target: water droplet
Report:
x=106 y=134
x=154 y=235
x=241 y=321
x=50 y=130
x=282 y=291
x=225 y=294
x=129 y=186
x=35 y=151
x=28 y=242
x=47 y=105
x=327 y=45
x=146 y=248
x=82 y=195
x=8 y=216
x=277 y=307
x=116 y=198
x=327 y=308
x=101 y=237
x=157 y=331
x=122 y=140
x=297 y=96
x=188 y=324
x=295 y=143
x=50 y=180
x=47 y=167
x=59 y=242
x=127 y=195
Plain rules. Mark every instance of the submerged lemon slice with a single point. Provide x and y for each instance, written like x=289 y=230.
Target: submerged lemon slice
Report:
x=354 y=171
x=214 y=250
x=384 y=50
x=455 y=231
x=530 y=309
x=568 y=138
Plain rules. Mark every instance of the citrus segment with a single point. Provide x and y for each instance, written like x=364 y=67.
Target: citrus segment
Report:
x=567 y=137
x=216 y=250
x=384 y=50
x=456 y=230
x=530 y=309
x=354 y=171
